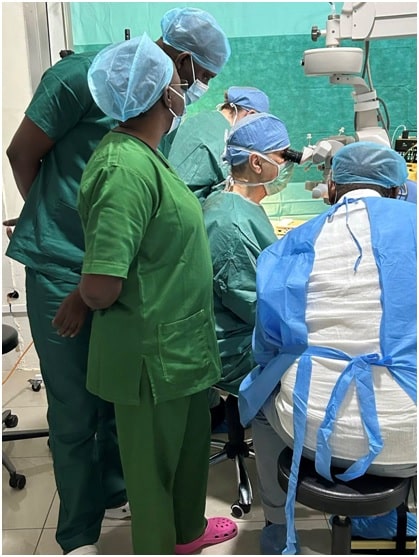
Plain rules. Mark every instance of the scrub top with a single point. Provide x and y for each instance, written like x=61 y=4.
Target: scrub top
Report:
x=144 y=225
x=49 y=236
x=196 y=149
x=238 y=230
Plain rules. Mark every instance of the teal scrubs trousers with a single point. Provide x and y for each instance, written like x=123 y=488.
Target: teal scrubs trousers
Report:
x=82 y=432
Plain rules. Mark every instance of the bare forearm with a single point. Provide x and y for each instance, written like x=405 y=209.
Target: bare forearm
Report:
x=100 y=291
x=26 y=151
x=24 y=172
x=96 y=302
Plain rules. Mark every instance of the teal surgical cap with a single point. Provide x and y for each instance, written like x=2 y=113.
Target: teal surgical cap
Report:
x=248 y=97
x=365 y=162
x=128 y=78
x=195 y=31
x=262 y=132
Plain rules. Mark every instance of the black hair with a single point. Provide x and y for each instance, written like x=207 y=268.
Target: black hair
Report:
x=341 y=189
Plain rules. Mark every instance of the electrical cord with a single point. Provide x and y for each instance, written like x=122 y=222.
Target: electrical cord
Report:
x=395 y=132
x=386 y=124
x=16 y=364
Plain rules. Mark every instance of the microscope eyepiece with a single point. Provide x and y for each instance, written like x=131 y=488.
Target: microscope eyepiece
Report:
x=293 y=156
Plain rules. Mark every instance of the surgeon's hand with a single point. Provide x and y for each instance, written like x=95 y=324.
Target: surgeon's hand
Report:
x=9 y=224
x=71 y=315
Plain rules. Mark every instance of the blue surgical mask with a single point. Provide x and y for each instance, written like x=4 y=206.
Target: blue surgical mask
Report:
x=177 y=118
x=196 y=90
x=175 y=122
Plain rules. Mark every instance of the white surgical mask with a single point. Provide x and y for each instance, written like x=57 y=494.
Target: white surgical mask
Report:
x=196 y=90
x=177 y=118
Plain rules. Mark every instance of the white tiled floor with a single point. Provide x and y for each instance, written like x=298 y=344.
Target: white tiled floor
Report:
x=29 y=515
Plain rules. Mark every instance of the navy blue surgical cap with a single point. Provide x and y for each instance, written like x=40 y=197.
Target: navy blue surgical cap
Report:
x=262 y=132
x=249 y=98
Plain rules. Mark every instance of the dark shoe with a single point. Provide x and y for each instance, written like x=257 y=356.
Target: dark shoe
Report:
x=273 y=540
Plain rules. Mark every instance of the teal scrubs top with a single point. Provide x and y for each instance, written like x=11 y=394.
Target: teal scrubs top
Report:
x=49 y=236
x=238 y=230
x=196 y=149
x=144 y=225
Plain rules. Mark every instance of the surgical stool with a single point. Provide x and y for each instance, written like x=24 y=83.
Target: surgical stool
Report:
x=367 y=495
x=237 y=448
x=9 y=421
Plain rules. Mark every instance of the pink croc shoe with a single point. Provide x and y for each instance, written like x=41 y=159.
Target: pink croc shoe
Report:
x=219 y=529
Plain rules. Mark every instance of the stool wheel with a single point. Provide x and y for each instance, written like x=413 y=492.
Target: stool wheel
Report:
x=17 y=481
x=239 y=509
x=36 y=387
x=11 y=420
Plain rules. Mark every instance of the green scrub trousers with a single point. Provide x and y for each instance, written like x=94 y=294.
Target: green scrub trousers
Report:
x=165 y=450
x=82 y=431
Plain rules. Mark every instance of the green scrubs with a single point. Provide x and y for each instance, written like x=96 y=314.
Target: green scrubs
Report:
x=238 y=230
x=154 y=351
x=48 y=240
x=196 y=149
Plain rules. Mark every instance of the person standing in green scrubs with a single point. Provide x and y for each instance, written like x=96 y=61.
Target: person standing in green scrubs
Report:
x=48 y=154
x=147 y=276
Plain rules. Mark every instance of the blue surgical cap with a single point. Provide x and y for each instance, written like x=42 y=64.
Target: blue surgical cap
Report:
x=126 y=79
x=262 y=132
x=365 y=162
x=195 y=31
x=248 y=97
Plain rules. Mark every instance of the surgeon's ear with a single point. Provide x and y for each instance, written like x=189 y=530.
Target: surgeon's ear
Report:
x=394 y=193
x=331 y=190
x=167 y=98
x=255 y=163
x=181 y=60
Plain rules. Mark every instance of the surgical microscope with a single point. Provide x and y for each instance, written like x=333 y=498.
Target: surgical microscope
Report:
x=363 y=21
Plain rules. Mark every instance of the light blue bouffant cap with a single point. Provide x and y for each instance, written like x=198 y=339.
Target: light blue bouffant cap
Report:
x=262 y=132
x=195 y=31
x=126 y=79
x=365 y=162
x=248 y=97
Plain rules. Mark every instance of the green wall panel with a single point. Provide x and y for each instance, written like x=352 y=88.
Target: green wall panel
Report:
x=97 y=22
x=308 y=105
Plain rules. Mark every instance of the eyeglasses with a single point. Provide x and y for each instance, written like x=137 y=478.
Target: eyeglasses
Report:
x=184 y=85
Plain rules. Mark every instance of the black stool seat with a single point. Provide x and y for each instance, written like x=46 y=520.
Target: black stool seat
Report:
x=364 y=496
x=9 y=338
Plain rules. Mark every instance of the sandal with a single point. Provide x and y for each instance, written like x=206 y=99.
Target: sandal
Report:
x=218 y=530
